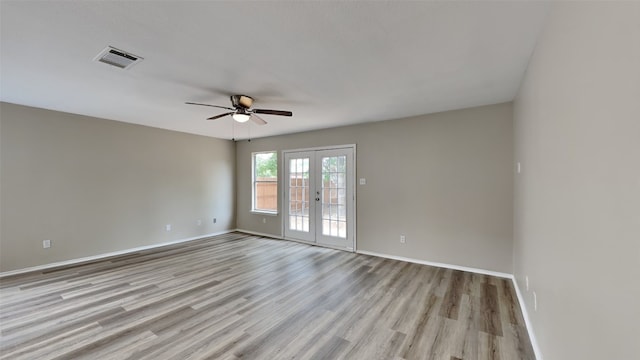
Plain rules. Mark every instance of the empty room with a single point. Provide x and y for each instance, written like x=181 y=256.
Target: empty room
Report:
x=445 y=180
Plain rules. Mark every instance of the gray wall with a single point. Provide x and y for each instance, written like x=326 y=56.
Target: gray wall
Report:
x=577 y=212
x=94 y=186
x=444 y=180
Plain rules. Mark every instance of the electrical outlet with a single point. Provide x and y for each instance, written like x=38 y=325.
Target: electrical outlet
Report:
x=264 y=220
x=199 y=222
x=526 y=282
x=46 y=244
x=168 y=227
x=403 y=239
x=363 y=181
x=215 y=220
x=535 y=301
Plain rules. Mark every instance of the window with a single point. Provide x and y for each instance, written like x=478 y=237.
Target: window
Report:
x=265 y=182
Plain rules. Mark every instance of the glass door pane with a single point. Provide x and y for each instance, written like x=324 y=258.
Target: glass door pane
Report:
x=334 y=212
x=299 y=194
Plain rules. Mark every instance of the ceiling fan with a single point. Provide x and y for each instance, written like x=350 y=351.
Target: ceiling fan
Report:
x=242 y=110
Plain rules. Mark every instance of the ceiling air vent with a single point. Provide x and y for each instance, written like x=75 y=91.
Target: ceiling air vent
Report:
x=118 y=58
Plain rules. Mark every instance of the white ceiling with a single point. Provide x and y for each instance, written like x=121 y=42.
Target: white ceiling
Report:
x=331 y=63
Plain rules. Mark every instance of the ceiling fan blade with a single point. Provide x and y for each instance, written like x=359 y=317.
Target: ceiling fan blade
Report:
x=219 y=116
x=273 y=112
x=217 y=106
x=258 y=120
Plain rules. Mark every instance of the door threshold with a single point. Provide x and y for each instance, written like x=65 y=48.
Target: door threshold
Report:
x=347 y=249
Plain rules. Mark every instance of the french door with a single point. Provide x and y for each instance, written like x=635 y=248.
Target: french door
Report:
x=319 y=197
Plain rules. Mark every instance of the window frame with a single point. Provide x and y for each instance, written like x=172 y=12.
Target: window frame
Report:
x=254 y=182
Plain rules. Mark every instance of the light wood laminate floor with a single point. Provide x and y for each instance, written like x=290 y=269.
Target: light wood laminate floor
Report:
x=238 y=296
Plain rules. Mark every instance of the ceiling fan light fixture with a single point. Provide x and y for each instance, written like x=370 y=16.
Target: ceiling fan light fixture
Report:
x=241 y=117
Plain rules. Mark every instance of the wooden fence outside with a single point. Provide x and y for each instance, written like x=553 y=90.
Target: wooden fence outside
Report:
x=266 y=194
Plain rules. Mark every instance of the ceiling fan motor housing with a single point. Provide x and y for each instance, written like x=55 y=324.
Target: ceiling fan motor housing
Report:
x=242 y=111
x=241 y=101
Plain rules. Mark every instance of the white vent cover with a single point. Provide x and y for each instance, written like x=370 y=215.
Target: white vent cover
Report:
x=117 y=58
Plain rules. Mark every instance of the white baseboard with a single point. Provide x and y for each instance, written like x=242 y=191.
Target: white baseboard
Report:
x=527 y=321
x=442 y=265
x=102 y=256
x=279 y=237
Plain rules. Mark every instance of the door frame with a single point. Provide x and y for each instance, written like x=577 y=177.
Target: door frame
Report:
x=350 y=212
